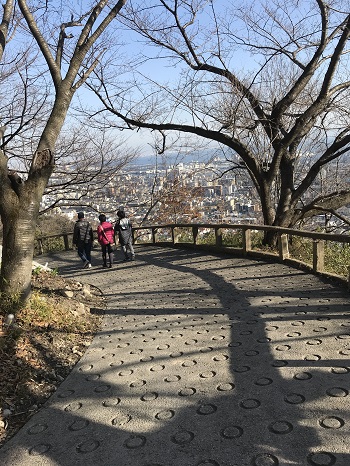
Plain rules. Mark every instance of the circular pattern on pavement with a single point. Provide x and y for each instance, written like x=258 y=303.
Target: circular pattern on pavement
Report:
x=321 y=459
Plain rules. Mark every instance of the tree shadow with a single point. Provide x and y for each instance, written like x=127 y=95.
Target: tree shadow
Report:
x=200 y=363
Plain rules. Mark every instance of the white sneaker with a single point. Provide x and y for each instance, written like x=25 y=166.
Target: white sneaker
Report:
x=89 y=265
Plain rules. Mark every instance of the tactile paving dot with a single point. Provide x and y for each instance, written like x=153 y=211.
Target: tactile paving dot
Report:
x=340 y=370
x=39 y=449
x=312 y=357
x=234 y=344
x=126 y=373
x=220 y=357
x=280 y=427
x=251 y=353
x=172 y=378
x=206 y=408
x=88 y=446
x=250 y=403
x=79 y=424
x=298 y=323
x=92 y=377
x=150 y=396
x=302 y=376
x=116 y=363
x=208 y=349
x=344 y=336
x=165 y=415
x=191 y=342
x=241 y=369
x=265 y=459
x=337 y=392
x=147 y=359
x=279 y=363
x=321 y=459
x=111 y=402
x=163 y=347
x=86 y=368
x=207 y=375
x=73 y=406
x=182 y=437
x=187 y=391
x=225 y=387
x=138 y=383
x=332 y=422
x=232 y=432
x=37 y=429
x=263 y=381
x=121 y=419
x=315 y=342
x=157 y=368
x=177 y=354
x=102 y=388
x=135 y=441
x=294 y=398
x=189 y=363
x=264 y=340
x=319 y=329
x=283 y=348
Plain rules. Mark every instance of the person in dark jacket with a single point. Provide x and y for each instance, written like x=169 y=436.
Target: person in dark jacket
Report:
x=105 y=236
x=83 y=238
x=123 y=228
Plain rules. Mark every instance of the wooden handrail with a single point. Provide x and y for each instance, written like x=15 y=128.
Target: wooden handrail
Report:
x=283 y=235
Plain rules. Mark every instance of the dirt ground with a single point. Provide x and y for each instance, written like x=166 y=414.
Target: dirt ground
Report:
x=41 y=347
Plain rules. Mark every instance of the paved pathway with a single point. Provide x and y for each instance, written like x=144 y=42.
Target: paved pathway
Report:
x=202 y=360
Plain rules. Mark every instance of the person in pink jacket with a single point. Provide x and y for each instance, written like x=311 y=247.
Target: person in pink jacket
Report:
x=105 y=236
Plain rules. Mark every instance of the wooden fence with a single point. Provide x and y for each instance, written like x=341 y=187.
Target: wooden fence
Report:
x=189 y=235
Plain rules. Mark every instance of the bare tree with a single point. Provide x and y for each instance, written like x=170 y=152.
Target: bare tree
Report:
x=287 y=116
x=65 y=60
x=87 y=165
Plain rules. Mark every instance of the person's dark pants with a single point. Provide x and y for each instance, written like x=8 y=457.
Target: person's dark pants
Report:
x=84 y=251
x=107 y=249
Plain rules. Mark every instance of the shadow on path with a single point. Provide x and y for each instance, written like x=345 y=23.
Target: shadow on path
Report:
x=201 y=360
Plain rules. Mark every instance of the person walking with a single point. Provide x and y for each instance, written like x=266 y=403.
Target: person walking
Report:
x=123 y=228
x=83 y=238
x=105 y=236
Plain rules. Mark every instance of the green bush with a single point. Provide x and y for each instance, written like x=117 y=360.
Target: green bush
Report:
x=337 y=258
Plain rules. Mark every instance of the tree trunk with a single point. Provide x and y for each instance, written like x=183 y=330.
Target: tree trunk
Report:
x=19 y=212
x=17 y=257
x=20 y=205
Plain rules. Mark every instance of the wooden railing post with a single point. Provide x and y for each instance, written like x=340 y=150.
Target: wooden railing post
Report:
x=194 y=234
x=247 y=240
x=154 y=234
x=174 y=236
x=283 y=249
x=40 y=246
x=66 y=242
x=318 y=255
x=218 y=237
